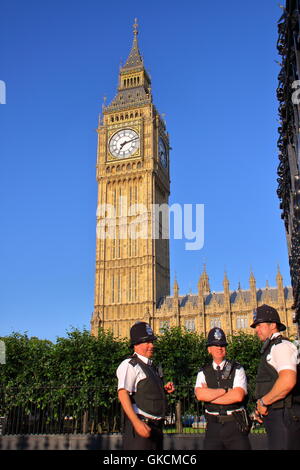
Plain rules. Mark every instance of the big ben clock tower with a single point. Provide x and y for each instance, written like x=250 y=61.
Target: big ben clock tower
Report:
x=132 y=262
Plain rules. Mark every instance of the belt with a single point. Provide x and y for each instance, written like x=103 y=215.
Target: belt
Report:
x=156 y=422
x=219 y=418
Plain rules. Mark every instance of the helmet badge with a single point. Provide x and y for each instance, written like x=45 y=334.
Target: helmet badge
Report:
x=218 y=334
x=149 y=330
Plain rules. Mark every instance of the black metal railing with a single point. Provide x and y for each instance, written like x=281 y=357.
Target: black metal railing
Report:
x=80 y=411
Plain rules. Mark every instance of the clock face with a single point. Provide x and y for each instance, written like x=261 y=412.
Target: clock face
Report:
x=162 y=152
x=124 y=143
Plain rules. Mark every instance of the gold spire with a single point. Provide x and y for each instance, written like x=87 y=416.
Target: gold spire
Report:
x=175 y=286
x=135 y=27
x=134 y=59
x=252 y=279
x=278 y=276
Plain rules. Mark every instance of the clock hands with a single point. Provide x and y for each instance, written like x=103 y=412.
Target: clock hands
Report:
x=127 y=142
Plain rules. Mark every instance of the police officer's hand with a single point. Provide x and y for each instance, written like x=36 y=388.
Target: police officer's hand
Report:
x=169 y=387
x=142 y=429
x=257 y=416
x=261 y=409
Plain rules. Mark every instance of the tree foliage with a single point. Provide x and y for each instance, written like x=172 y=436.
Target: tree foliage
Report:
x=41 y=372
x=245 y=349
x=79 y=370
x=181 y=353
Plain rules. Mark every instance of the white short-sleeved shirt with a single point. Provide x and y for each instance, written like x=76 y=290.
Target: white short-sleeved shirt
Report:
x=128 y=378
x=239 y=380
x=283 y=356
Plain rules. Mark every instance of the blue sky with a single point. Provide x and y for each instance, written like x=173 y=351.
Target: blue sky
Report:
x=214 y=75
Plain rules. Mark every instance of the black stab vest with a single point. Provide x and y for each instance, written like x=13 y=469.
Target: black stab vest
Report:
x=211 y=378
x=267 y=376
x=150 y=394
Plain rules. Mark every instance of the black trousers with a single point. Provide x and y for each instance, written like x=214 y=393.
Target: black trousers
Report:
x=132 y=441
x=283 y=428
x=225 y=436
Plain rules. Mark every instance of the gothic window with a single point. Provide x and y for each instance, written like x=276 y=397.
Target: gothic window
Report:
x=113 y=248
x=114 y=199
x=215 y=323
x=136 y=280
x=190 y=324
x=241 y=323
x=120 y=208
x=129 y=288
x=112 y=289
x=118 y=243
x=133 y=286
x=164 y=325
x=133 y=246
x=119 y=289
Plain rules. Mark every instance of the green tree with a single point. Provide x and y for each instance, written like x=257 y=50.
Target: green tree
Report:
x=77 y=374
x=181 y=354
x=27 y=368
x=245 y=349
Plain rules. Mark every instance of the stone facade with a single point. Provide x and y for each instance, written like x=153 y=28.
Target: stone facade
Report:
x=230 y=310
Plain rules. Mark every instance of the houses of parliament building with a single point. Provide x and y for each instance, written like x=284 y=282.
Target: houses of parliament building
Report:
x=132 y=279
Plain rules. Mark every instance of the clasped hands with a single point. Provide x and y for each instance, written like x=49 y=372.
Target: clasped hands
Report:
x=260 y=411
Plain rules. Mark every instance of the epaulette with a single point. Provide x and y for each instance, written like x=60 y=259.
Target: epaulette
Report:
x=133 y=360
x=278 y=339
x=238 y=365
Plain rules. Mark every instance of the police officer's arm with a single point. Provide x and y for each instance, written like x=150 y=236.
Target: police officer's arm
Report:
x=208 y=394
x=284 y=357
x=281 y=388
x=140 y=427
x=234 y=395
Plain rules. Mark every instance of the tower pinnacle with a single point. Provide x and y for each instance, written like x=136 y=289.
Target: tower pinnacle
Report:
x=135 y=27
x=134 y=59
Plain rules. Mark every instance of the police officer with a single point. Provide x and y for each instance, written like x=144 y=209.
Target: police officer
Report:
x=141 y=393
x=277 y=385
x=222 y=386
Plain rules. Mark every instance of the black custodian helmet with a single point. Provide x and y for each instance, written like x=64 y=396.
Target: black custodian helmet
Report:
x=267 y=314
x=141 y=332
x=216 y=337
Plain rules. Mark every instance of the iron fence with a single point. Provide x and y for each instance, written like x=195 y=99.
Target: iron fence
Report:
x=81 y=410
